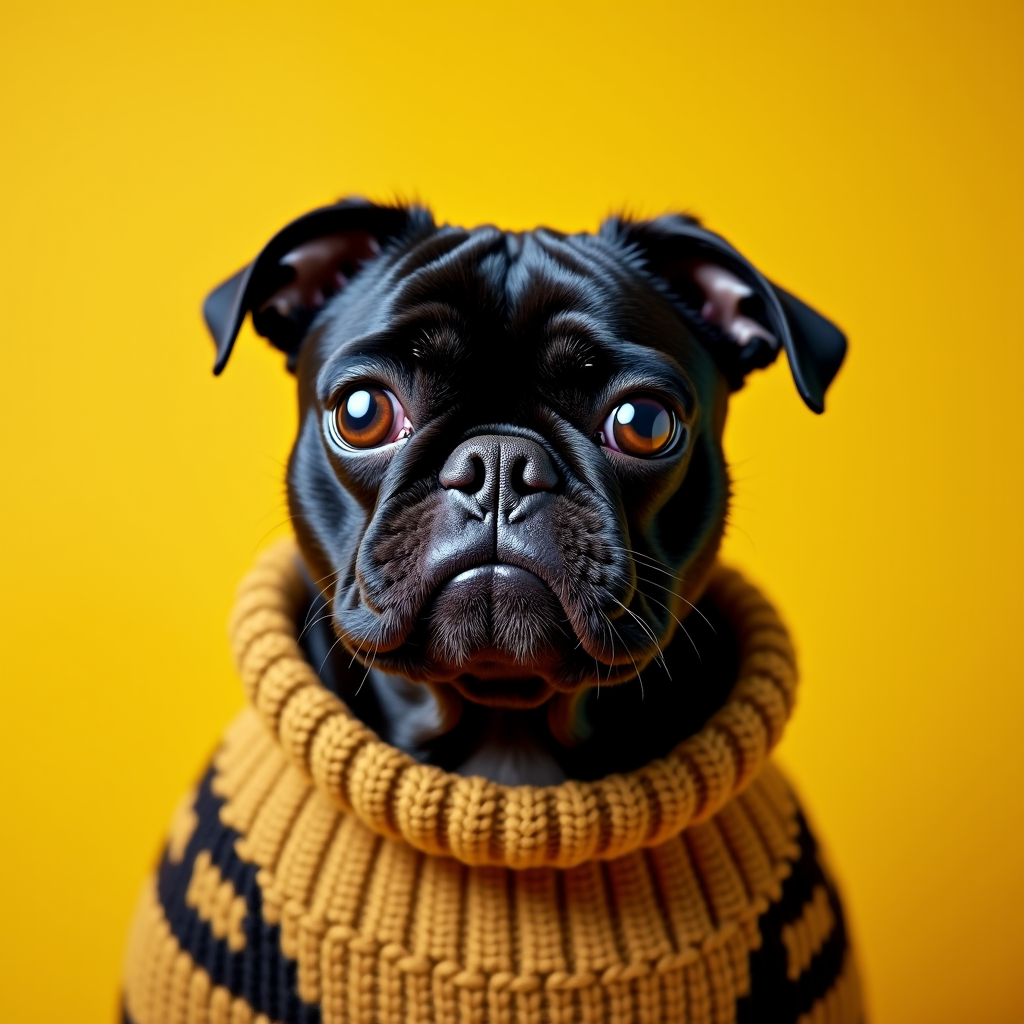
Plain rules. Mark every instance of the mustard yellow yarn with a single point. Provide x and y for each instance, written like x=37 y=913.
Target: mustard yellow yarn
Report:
x=482 y=822
x=404 y=893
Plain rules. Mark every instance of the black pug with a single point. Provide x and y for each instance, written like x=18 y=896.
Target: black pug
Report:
x=508 y=484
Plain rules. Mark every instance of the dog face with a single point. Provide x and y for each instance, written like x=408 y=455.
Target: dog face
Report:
x=500 y=432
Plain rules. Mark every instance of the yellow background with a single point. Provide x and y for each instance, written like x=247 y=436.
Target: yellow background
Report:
x=868 y=157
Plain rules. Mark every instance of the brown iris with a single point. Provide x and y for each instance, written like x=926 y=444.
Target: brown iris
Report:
x=641 y=426
x=365 y=417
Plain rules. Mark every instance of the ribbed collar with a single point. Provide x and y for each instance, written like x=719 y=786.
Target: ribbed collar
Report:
x=482 y=822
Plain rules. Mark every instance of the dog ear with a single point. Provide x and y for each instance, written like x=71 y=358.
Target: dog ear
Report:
x=741 y=317
x=299 y=269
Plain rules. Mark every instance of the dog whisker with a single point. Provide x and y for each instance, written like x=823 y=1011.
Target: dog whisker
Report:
x=651 y=561
x=327 y=655
x=309 y=625
x=650 y=632
x=313 y=610
x=731 y=525
x=319 y=599
x=352 y=660
x=369 y=668
x=276 y=526
x=659 y=566
x=335 y=573
x=628 y=654
x=686 y=632
x=690 y=604
x=276 y=511
x=327 y=576
x=654 y=600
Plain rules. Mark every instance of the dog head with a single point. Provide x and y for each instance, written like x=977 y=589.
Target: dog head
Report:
x=500 y=432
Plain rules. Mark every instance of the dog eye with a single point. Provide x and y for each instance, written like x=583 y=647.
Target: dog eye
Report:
x=640 y=426
x=368 y=417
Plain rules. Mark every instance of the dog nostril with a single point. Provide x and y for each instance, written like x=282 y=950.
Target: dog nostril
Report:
x=468 y=474
x=479 y=475
x=528 y=475
x=517 y=477
x=510 y=464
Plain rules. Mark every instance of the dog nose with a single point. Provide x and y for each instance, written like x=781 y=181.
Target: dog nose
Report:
x=499 y=471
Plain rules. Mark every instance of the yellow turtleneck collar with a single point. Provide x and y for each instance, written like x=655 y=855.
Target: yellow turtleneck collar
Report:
x=481 y=822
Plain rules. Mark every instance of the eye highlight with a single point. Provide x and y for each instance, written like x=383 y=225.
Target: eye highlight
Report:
x=368 y=416
x=641 y=426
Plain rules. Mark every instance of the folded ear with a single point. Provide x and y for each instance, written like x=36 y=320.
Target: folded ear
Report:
x=741 y=317
x=299 y=269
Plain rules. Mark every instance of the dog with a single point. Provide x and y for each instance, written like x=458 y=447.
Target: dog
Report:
x=508 y=483
x=508 y=490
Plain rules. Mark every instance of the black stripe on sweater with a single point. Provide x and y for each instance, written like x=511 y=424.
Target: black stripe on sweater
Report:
x=774 y=998
x=260 y=973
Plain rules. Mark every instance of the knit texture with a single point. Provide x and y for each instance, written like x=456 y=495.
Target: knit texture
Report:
x=318 y=874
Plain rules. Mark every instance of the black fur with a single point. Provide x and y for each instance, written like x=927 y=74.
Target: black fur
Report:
x=507 y=352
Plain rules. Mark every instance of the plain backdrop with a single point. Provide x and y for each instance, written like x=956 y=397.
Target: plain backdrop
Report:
x=866 y=156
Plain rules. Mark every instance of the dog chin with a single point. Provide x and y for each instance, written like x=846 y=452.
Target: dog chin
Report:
x=498 y=635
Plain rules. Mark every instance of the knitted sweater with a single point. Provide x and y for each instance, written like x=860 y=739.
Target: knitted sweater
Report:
x=317 y=874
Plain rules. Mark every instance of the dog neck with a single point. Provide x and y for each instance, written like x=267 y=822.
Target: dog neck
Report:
x=505 y=745
x=600 y=731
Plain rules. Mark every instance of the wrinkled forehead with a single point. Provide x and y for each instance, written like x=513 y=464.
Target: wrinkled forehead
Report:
x=485 y=292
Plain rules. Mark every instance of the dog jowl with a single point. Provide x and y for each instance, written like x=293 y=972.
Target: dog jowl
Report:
x=508 y=482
